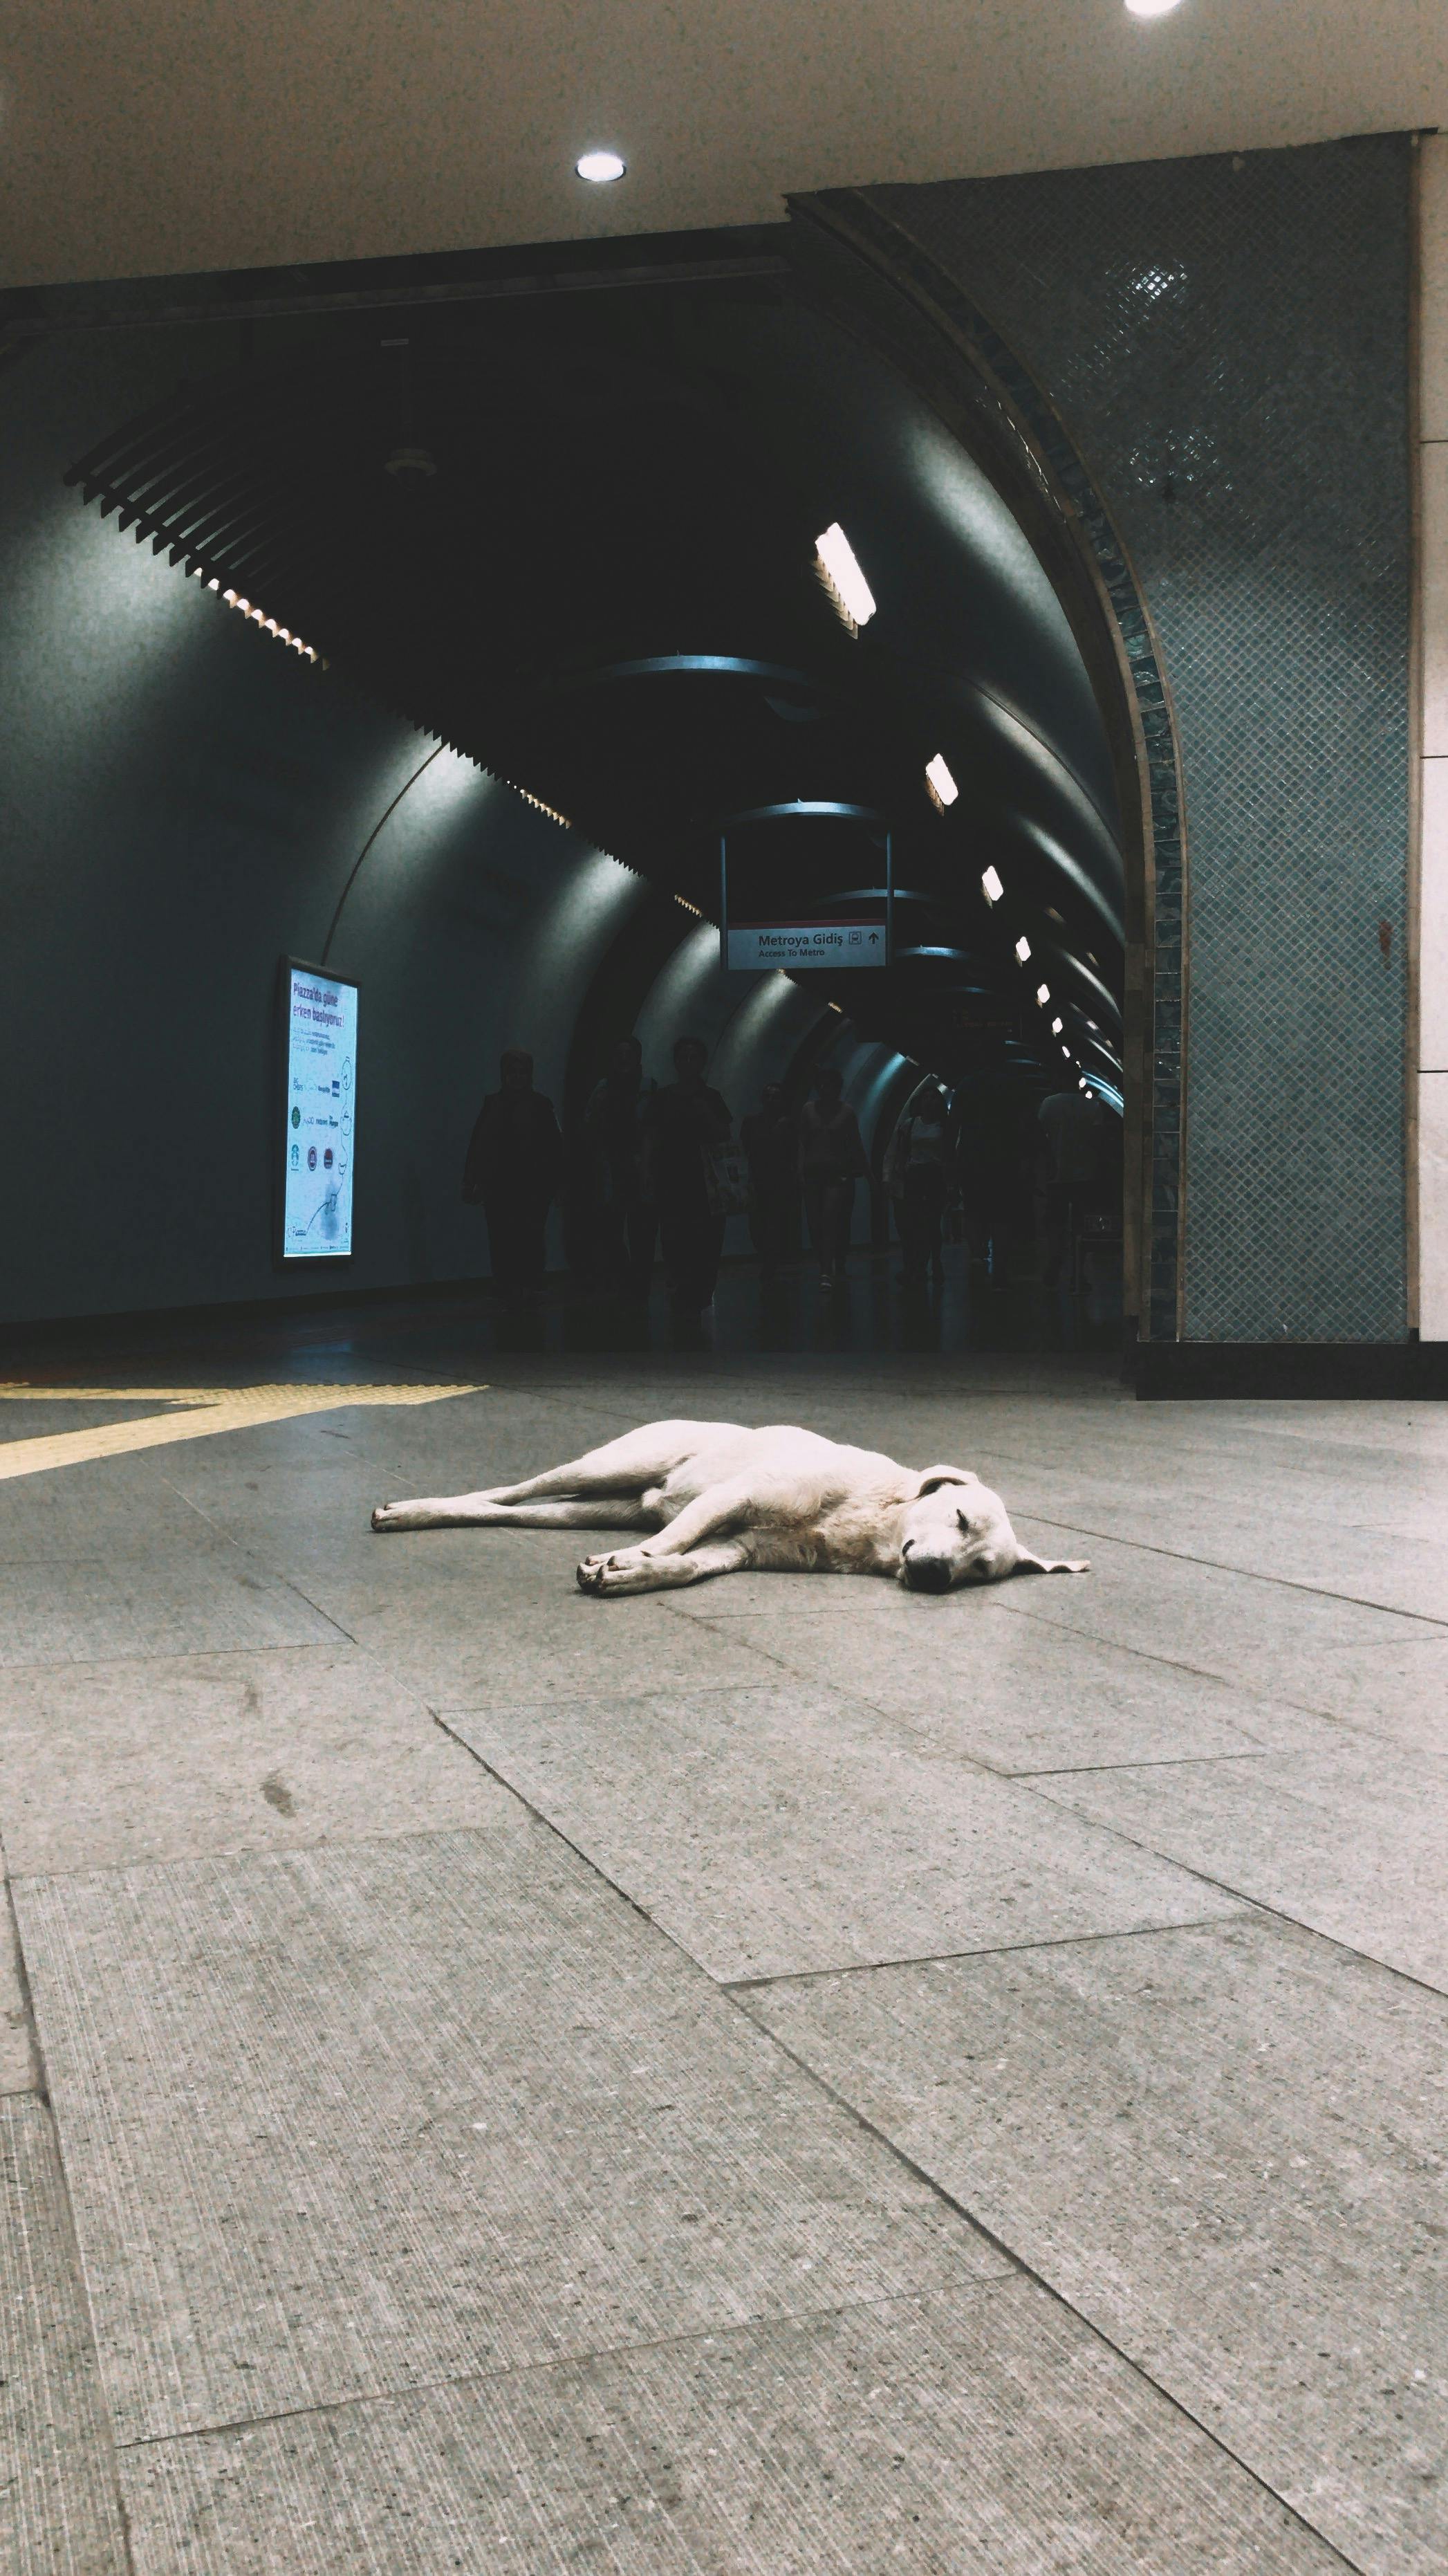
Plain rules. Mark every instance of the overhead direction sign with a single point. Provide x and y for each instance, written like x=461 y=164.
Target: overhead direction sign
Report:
x=830 y=923
x=846 y=940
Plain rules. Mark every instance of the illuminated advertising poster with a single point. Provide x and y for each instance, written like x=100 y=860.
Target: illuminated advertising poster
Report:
x=320 y=1019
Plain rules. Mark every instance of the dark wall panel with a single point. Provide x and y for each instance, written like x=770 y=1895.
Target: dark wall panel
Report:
x=1227 y=341
x=180 y=802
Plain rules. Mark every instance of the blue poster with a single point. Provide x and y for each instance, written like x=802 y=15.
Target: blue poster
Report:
x=321 y=1115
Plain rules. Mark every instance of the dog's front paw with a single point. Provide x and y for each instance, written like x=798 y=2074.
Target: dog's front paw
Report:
x=591 y=1573
x=385 y=1517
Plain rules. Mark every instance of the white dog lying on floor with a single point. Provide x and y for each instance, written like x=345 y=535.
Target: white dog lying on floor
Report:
x=723 y=1499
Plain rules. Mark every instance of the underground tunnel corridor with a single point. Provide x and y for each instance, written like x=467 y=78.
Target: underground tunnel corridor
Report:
x=579 y=541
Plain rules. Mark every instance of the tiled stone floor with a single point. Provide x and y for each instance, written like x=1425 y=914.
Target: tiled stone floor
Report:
x=787 y=2077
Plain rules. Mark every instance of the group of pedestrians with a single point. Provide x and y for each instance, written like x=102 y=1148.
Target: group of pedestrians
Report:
x=660 y=1174
x=657 y=1172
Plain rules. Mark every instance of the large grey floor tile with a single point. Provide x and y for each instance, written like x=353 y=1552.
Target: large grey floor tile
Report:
x=1352 y=1842
x=1312 y=1545
x=1398 y=1692
x=1021 y=1696
x=38 y=1417
x=469 y=1627
x=59 y=2505
x=344 y=2121
x=1248 y=1629
x=114 y=1508
x=19 y=2066
x=1225 y=2147
x=106 y=1764
x=179 y=1601
x=988 y=2434
x=776 y=1830
x=1391 y=1477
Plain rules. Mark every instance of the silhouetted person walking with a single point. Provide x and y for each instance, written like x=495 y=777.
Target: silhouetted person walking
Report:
x=681 y=1123
x=771 y=1148
x=514 y=1157
x=1072 y=1125
x=921 y=1170
x=831 y=1160
x=625 y=1220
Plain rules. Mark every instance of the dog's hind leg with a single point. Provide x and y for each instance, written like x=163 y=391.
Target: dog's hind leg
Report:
x=629 y=1465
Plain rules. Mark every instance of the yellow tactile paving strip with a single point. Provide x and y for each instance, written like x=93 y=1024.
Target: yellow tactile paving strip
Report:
x=208 y=1409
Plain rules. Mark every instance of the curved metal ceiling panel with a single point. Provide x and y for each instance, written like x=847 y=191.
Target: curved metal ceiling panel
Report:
x=577 y=543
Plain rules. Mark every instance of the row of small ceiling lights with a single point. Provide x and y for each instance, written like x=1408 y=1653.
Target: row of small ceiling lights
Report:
x=268 y=625
x=836 y=563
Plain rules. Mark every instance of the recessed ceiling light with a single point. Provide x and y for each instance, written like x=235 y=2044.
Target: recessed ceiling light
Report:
x=1151 y=8
x=991 y=887
x=1023 y=949
x=1043 y=994
x=940 y=779
x=600 y=167
x=1056 y=1028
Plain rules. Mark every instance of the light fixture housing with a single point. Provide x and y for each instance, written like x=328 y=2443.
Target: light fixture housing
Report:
x=600 y=168
x=1023 y=949
x=991 y=886
x=942 y=786
x=839 y=569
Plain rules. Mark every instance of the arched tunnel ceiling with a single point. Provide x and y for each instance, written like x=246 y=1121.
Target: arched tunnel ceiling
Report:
x=575 y=538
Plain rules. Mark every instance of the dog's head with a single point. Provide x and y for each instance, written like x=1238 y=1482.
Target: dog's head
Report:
x=958 y=1531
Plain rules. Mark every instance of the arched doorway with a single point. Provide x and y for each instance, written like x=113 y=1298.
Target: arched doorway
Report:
x=586 y=567
x=877 y=280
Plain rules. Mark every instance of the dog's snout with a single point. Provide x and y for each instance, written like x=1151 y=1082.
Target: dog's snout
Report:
x=925 y=1573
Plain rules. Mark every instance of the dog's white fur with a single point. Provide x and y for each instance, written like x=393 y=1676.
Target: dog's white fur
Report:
x=722 y=1499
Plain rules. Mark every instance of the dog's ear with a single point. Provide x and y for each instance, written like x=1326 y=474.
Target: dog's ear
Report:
x=935 y=1477
x=1027 y=1563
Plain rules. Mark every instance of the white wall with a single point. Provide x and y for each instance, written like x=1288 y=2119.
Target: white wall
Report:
x=1433 y=576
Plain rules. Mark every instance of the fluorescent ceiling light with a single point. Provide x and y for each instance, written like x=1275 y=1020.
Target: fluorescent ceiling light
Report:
x=941 y=780
x=1056 y=1027
x=600 y=167
x=1151 y=8
x=991 y=887
x=838 y=557
x=1023 y=949
x=1066 y=1052
x=1043 y=994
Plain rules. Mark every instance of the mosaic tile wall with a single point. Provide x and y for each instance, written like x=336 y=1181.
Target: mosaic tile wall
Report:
x=1227 y=341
